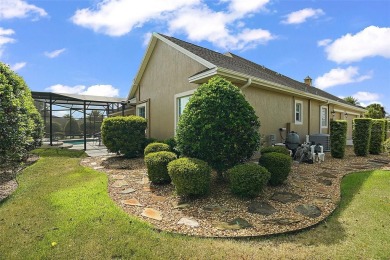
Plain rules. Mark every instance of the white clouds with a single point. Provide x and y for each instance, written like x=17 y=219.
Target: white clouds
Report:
x=191 y=17
x=118 y=17
x=54 y=54
x=302 y=16
x=324 y=42
x=366 y=96
x=95 y=90
x=18 y=66
x=19 y=9
x=5 y=38
x=370 y=42
x=340 y=76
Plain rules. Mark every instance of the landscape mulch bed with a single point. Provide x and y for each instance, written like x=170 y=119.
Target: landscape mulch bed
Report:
x=223 y=215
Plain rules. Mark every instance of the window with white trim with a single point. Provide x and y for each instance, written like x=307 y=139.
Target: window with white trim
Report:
x=298 y=112
x=181 y=100
x=141 y=110
x=324 y=117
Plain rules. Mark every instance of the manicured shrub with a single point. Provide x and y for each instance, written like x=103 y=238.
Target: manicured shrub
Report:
x=377 y=136
x=386 y=146
x=124 y=135
x=156 y=147
x=21 y=126
x=361 y=135
x=218 y=126
x=156 y=164
x=338 y=138
x=279 y=165
x=247 y=180
x=172 y=145
x=190 y=176
x=275 y=149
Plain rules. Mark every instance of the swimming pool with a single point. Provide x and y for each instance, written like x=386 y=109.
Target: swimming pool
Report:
x=77 y=141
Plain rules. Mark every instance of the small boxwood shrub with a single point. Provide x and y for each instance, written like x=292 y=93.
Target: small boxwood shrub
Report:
x=156 y=147
x=247 y=180
x=377 y=136
x=361 y=135
x=124 y=134
x=190 y=176
x=275 y=149
x=279 y=165
x=338 y=138
x=156 y=164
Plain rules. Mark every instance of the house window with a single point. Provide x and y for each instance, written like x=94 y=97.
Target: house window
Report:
x=141 y=110
x=181 y=101
x=324 y=117
x=298 y=112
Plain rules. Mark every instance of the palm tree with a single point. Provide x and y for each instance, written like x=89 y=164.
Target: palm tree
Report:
x=352 y=100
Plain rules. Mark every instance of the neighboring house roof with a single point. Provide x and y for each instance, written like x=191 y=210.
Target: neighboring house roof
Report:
x=234 y=65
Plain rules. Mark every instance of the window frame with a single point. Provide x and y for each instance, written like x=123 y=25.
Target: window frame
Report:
x=142 y=105
x=326 y=117
x=298 y=122
x=176 y=99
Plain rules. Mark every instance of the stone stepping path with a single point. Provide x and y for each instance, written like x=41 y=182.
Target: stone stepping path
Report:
x=131 y=202
x=285 y=197
x=156 y=198
x=152 y=213
x=327 y=175
x=235 y=224
x=188 y=222
x=127 y=191
x=119 y=184
x=308 y=210
x=325 y=182
x=263 y=208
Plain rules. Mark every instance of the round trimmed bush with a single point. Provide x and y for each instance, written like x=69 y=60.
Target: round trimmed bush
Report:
x=248 y=180
x=190 y=176
x=156 y=164
x=275 y=149
x=279 y=165
x=156 y=147
x=218 y=126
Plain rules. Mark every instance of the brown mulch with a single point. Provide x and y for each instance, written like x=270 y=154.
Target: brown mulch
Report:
x=8 y=183
x=318 y=185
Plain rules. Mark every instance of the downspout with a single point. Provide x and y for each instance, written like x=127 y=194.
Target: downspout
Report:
x=247 y=84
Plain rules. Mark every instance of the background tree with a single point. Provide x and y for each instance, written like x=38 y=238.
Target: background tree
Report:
x=218 y=126
x=375 y=111
x=72 y=127
x=352 y=100
x=21 y=127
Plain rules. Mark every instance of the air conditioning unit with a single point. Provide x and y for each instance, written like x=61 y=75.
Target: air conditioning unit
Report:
x=323 y=139
x=271 y=139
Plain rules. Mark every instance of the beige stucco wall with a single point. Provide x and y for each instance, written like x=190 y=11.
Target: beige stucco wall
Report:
x=166 y=74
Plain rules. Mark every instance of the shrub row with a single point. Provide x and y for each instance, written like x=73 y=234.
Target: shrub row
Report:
x=338 y=138
x=377 y=136
x=361 y=135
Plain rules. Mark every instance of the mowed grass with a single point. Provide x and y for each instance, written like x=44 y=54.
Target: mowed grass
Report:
x=62 y=210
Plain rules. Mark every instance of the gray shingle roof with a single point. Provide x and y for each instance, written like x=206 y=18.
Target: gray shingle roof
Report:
x=238 y=64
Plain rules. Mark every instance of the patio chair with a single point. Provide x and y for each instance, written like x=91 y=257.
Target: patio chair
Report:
x=317 y=153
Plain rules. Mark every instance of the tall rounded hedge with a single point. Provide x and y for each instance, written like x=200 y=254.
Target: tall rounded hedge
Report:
x=377 y=136
x=361 y=135
x=279 y=165
x=157 y=166
x=21 y=126
x=338 y=138
x=218 y=126
x=124 y=134
x=190 y=176
x=248 y=180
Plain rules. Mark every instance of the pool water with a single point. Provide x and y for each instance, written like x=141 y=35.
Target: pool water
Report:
x=76 y=142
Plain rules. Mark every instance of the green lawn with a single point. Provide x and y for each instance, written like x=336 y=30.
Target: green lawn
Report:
x=62 y=210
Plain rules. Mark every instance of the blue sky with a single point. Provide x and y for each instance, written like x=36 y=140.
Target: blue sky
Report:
x=95 y=47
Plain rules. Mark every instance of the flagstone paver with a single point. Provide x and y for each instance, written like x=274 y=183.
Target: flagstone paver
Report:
x=127 y=191
x=262 y=207
x=285 y=197
x=308 y=210
x=152 y=213
x=188 y=222
x=131 y=202
x=119 y=184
